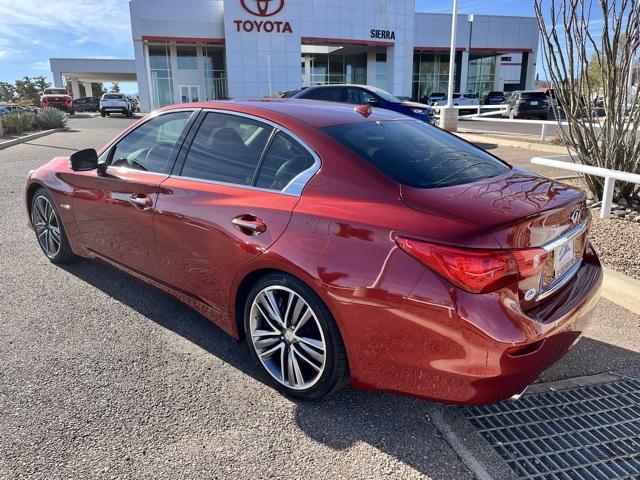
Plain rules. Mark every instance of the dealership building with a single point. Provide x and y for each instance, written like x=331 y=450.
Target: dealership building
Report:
x=194 y=50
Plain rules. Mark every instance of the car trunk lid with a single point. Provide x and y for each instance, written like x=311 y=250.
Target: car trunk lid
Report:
x=521 y=210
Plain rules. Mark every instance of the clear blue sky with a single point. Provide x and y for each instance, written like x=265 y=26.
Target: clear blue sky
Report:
x=32 y=31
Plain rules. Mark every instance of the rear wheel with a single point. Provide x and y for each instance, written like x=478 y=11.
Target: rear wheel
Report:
x=293 y=338
x=103 y=113
x=48 y=227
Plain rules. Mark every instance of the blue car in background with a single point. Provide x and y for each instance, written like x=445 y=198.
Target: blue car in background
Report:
x=363 y=94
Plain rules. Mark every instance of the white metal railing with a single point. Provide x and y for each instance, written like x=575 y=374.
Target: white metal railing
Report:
x=610 y=177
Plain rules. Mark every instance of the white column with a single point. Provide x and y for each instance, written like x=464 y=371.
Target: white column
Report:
x=371 y=68
x=306 y=79
x=531 y=71
x=498 y=82
x=75 y=88
x=464 y=71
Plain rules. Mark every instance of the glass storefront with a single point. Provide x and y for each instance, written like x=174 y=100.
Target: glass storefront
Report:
x=161 y=75
x=335 y=68
x=186 y=73
x=430 y=74
x=215 y=73
x=481 y=73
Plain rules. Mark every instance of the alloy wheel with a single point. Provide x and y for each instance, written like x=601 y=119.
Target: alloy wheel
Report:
x=287 y=337
x=47 y=226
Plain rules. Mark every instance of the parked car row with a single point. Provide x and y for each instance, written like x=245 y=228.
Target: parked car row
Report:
x=8 y=108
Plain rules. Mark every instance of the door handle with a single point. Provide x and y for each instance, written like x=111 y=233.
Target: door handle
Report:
x=249 y=224
x=143 y=202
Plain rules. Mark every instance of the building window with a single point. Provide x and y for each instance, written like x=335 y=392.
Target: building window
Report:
x=430 y=74
x=481 y=73
x=187 y=58
x=161 y=75
x=381 y=71
x=329 y=69
x=215 y=73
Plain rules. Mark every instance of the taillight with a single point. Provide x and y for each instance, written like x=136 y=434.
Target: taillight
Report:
x=476 y=270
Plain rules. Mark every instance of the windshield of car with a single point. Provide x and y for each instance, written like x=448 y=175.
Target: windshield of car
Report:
x=55 y=91
x=533 y=96
x=416 y=154
x=112 y=97
x=384 y=95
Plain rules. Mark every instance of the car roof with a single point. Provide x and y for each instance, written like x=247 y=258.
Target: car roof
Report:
x=317 y=113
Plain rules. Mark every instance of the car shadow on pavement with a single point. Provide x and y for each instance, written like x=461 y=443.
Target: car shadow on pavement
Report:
x=165 y=311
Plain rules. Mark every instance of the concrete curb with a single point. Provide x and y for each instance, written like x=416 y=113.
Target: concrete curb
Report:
x=621 y=290
x=26 y=138
x=503 y=142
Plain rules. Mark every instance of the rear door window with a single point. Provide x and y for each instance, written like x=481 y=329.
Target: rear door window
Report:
x=417 y=155
x=227 y=148
x=284 y=161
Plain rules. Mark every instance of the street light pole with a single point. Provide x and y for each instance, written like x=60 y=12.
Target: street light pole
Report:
x=449 y=114
x=452 y=53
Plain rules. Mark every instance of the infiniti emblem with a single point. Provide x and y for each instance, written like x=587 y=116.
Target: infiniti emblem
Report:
x=575 y=216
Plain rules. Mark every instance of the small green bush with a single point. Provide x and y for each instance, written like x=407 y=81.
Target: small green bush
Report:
x=49 y=118
x=18 y=122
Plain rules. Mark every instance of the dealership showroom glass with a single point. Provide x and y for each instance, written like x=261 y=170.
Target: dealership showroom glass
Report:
x=198 y=50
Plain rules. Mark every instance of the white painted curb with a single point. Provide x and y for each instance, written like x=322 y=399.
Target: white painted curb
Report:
x=26 y=138
x=621 y=290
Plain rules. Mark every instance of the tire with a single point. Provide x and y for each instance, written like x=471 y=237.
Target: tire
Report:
x=72 y=112
x=311 y=343
x=103 y=113
x=46 y=221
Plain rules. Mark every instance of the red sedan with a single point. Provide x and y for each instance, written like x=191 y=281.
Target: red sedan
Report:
x=340 y=243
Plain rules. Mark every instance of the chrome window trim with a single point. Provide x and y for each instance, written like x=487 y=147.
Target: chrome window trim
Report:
x=561 y=240
x=297 y=183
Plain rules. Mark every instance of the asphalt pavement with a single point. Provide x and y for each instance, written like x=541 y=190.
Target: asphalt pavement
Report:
x=103 y=377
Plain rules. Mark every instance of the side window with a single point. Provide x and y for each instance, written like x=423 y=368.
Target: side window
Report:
x=227 y=149
x=284 y=160
x=148 y=147
x=358 y=96
x=328 y=94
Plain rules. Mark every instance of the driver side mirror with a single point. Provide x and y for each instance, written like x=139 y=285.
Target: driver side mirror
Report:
x=84 y=160
x=373 y=102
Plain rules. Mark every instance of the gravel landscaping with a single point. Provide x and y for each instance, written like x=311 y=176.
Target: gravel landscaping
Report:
x=617 y=239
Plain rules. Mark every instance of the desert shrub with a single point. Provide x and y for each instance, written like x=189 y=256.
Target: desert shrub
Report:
x=51 y=118
x=18 y=122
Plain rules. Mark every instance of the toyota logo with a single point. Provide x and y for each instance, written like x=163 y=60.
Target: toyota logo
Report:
x=575 y=216
x=263 y=8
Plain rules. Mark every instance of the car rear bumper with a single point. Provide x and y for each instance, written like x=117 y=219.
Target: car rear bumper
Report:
x=448 y=345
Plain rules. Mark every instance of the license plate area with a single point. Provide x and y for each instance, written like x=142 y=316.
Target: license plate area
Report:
x=564 y=258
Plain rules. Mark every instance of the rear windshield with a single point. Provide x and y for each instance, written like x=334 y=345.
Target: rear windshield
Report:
x=416 y=154
x=112 y=97
x=533 y=96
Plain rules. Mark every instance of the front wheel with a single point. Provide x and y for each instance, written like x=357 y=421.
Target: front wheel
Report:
x=50 y=232
x=293 y=338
